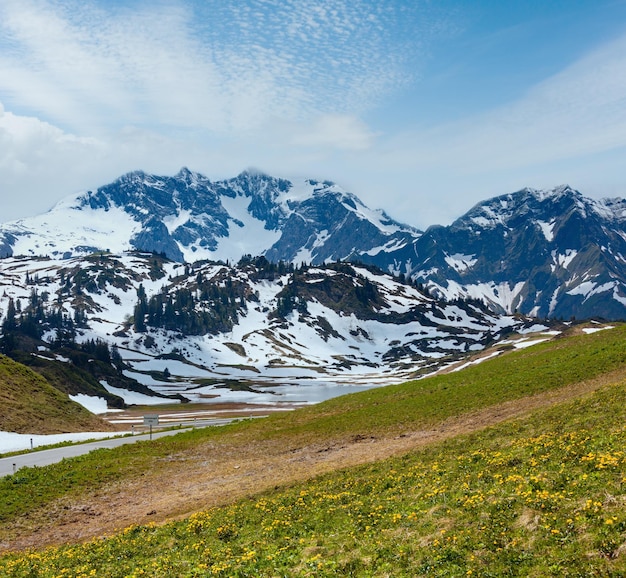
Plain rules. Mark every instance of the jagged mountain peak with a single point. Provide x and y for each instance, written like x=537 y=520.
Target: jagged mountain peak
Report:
x=185 y=173
x=189 y=217
x=549 y=253
x=528 y=203
x=253 y=173
x=254 y=183
x=553 y=193
x=565 y=198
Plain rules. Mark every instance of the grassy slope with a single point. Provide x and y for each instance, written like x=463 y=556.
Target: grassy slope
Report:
x=394 y=409
x=540 y=496
x=29 y=404
x=543 y=496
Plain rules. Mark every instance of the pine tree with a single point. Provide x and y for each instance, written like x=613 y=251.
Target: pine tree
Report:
x=141 y=309
x=10 y=321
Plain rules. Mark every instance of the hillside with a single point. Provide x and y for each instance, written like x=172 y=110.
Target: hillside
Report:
x=541 y=495
x=31 y=405
x=273 y=327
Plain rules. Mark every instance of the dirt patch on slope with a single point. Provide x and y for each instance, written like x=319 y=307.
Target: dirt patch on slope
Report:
x=221 y=472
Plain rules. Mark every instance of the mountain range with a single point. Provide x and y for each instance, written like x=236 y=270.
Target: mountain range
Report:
x=188 y=218
x=548 y=254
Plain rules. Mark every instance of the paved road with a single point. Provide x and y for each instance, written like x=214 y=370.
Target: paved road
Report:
x=46 y=457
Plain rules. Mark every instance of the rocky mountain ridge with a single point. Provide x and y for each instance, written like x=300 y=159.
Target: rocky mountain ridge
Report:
x=549 y=254
x=187 y=217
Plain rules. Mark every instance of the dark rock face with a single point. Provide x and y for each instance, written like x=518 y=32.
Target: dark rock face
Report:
x=156 y=238
x=6 y=245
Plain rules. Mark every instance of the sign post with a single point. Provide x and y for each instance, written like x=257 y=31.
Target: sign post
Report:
x=151 y=419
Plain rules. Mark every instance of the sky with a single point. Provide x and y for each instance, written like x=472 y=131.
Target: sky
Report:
x=422 y=108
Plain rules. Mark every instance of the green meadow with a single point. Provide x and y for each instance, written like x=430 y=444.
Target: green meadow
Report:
x=543 y=494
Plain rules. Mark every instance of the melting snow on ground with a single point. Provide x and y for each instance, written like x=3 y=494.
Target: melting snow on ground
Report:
x=595 y=329
x=524 y=343
x=476 y=361
x=14 y=442
x=135 y=398
x=93 y=404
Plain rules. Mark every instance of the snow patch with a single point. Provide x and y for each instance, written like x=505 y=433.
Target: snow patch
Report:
x=564 y=259
x=596 y=329
x=389 y=247
x=460 y=262
x=525 y=342
x=172 y=222
x=250 y=239
x=589 y=288
x=477 y=361
x=537 y=328
x=502 y=293
x=553 y=302
x=135 y=398
x=14 y=442
x=547 y=229
x=90 y=402
x=616 y=295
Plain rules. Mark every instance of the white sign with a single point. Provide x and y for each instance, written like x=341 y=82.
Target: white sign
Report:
x=151 y=419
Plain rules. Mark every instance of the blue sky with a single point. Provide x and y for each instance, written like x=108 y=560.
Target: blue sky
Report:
x=422 y=108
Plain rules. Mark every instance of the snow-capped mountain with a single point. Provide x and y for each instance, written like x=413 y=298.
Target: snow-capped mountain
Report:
x=191 y=329
x=549 y=254
x=188 y=218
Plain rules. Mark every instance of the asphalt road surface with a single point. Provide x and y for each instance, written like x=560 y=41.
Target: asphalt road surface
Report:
x=45 y=457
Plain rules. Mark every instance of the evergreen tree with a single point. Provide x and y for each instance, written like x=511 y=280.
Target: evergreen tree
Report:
x=10 y=321
x=9 y=325
x=116 y=358
x=141 y=309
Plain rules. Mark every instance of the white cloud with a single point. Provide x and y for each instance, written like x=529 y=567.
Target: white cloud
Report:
x=221 y=66
x=333 y=131
x=96 y=89
x=36 y=158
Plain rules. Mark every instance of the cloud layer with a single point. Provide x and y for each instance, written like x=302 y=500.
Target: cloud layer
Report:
x=89 y=90
x=97 y=88
x=220 y=66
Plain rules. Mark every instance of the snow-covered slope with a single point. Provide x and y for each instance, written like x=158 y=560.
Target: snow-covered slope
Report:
x=272 y=327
